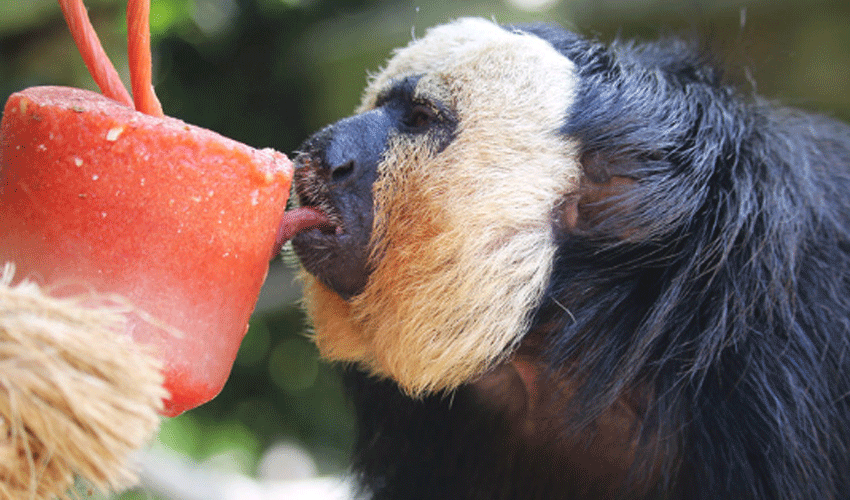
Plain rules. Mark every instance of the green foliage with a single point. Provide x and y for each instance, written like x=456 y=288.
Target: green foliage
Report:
x=169 y=15
x=18 y=15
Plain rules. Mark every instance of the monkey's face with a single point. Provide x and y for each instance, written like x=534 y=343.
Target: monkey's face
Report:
x=443 y=189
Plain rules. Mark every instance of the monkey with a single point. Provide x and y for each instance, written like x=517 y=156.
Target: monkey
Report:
x=556 y=268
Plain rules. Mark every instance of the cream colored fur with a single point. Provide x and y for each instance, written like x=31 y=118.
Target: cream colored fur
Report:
x=462 y=240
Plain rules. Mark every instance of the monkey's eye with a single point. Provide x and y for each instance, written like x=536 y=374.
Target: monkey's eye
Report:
x=420 y=117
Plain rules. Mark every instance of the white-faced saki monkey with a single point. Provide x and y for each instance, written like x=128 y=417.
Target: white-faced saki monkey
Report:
x=558 y=269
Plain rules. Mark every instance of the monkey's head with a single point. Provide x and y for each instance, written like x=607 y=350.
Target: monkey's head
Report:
x=618 y=257
x=467 y=165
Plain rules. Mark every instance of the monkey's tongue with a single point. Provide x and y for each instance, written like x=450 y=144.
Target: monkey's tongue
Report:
x=298 y=220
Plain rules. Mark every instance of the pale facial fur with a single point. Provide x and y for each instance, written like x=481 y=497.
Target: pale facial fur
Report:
x=462 y=243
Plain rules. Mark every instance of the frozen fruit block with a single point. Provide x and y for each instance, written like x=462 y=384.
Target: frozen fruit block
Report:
x=178 y=221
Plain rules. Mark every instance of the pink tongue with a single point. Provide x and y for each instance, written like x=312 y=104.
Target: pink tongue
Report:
x=297 y=220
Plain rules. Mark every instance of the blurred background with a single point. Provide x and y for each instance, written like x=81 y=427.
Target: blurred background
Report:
x=269 y=72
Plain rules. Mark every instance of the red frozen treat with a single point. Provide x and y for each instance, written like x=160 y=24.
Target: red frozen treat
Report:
x=179 y=221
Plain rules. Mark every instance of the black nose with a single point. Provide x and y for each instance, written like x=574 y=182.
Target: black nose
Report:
x=340 y=172
x=334 y=174
x=350 y=148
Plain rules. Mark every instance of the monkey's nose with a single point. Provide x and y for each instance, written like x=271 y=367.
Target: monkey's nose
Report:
x=354 y=146
x=342 y=171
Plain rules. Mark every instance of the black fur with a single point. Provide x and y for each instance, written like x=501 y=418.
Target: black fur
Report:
x=717 y=287
x=731 y=298
x=454 y=447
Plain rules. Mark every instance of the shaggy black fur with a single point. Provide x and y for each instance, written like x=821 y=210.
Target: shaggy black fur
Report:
x=718 y=285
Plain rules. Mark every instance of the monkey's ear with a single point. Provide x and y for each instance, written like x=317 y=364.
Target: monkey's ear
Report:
x=605 y=203
x=601 y=209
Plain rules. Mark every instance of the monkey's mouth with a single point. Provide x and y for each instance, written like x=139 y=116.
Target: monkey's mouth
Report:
x=338 y=258
x=299 y=220
x=331 y=235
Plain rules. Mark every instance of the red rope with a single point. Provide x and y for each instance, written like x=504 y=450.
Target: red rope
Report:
x=139 y=57
x=96 y=60
x=138 y=54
